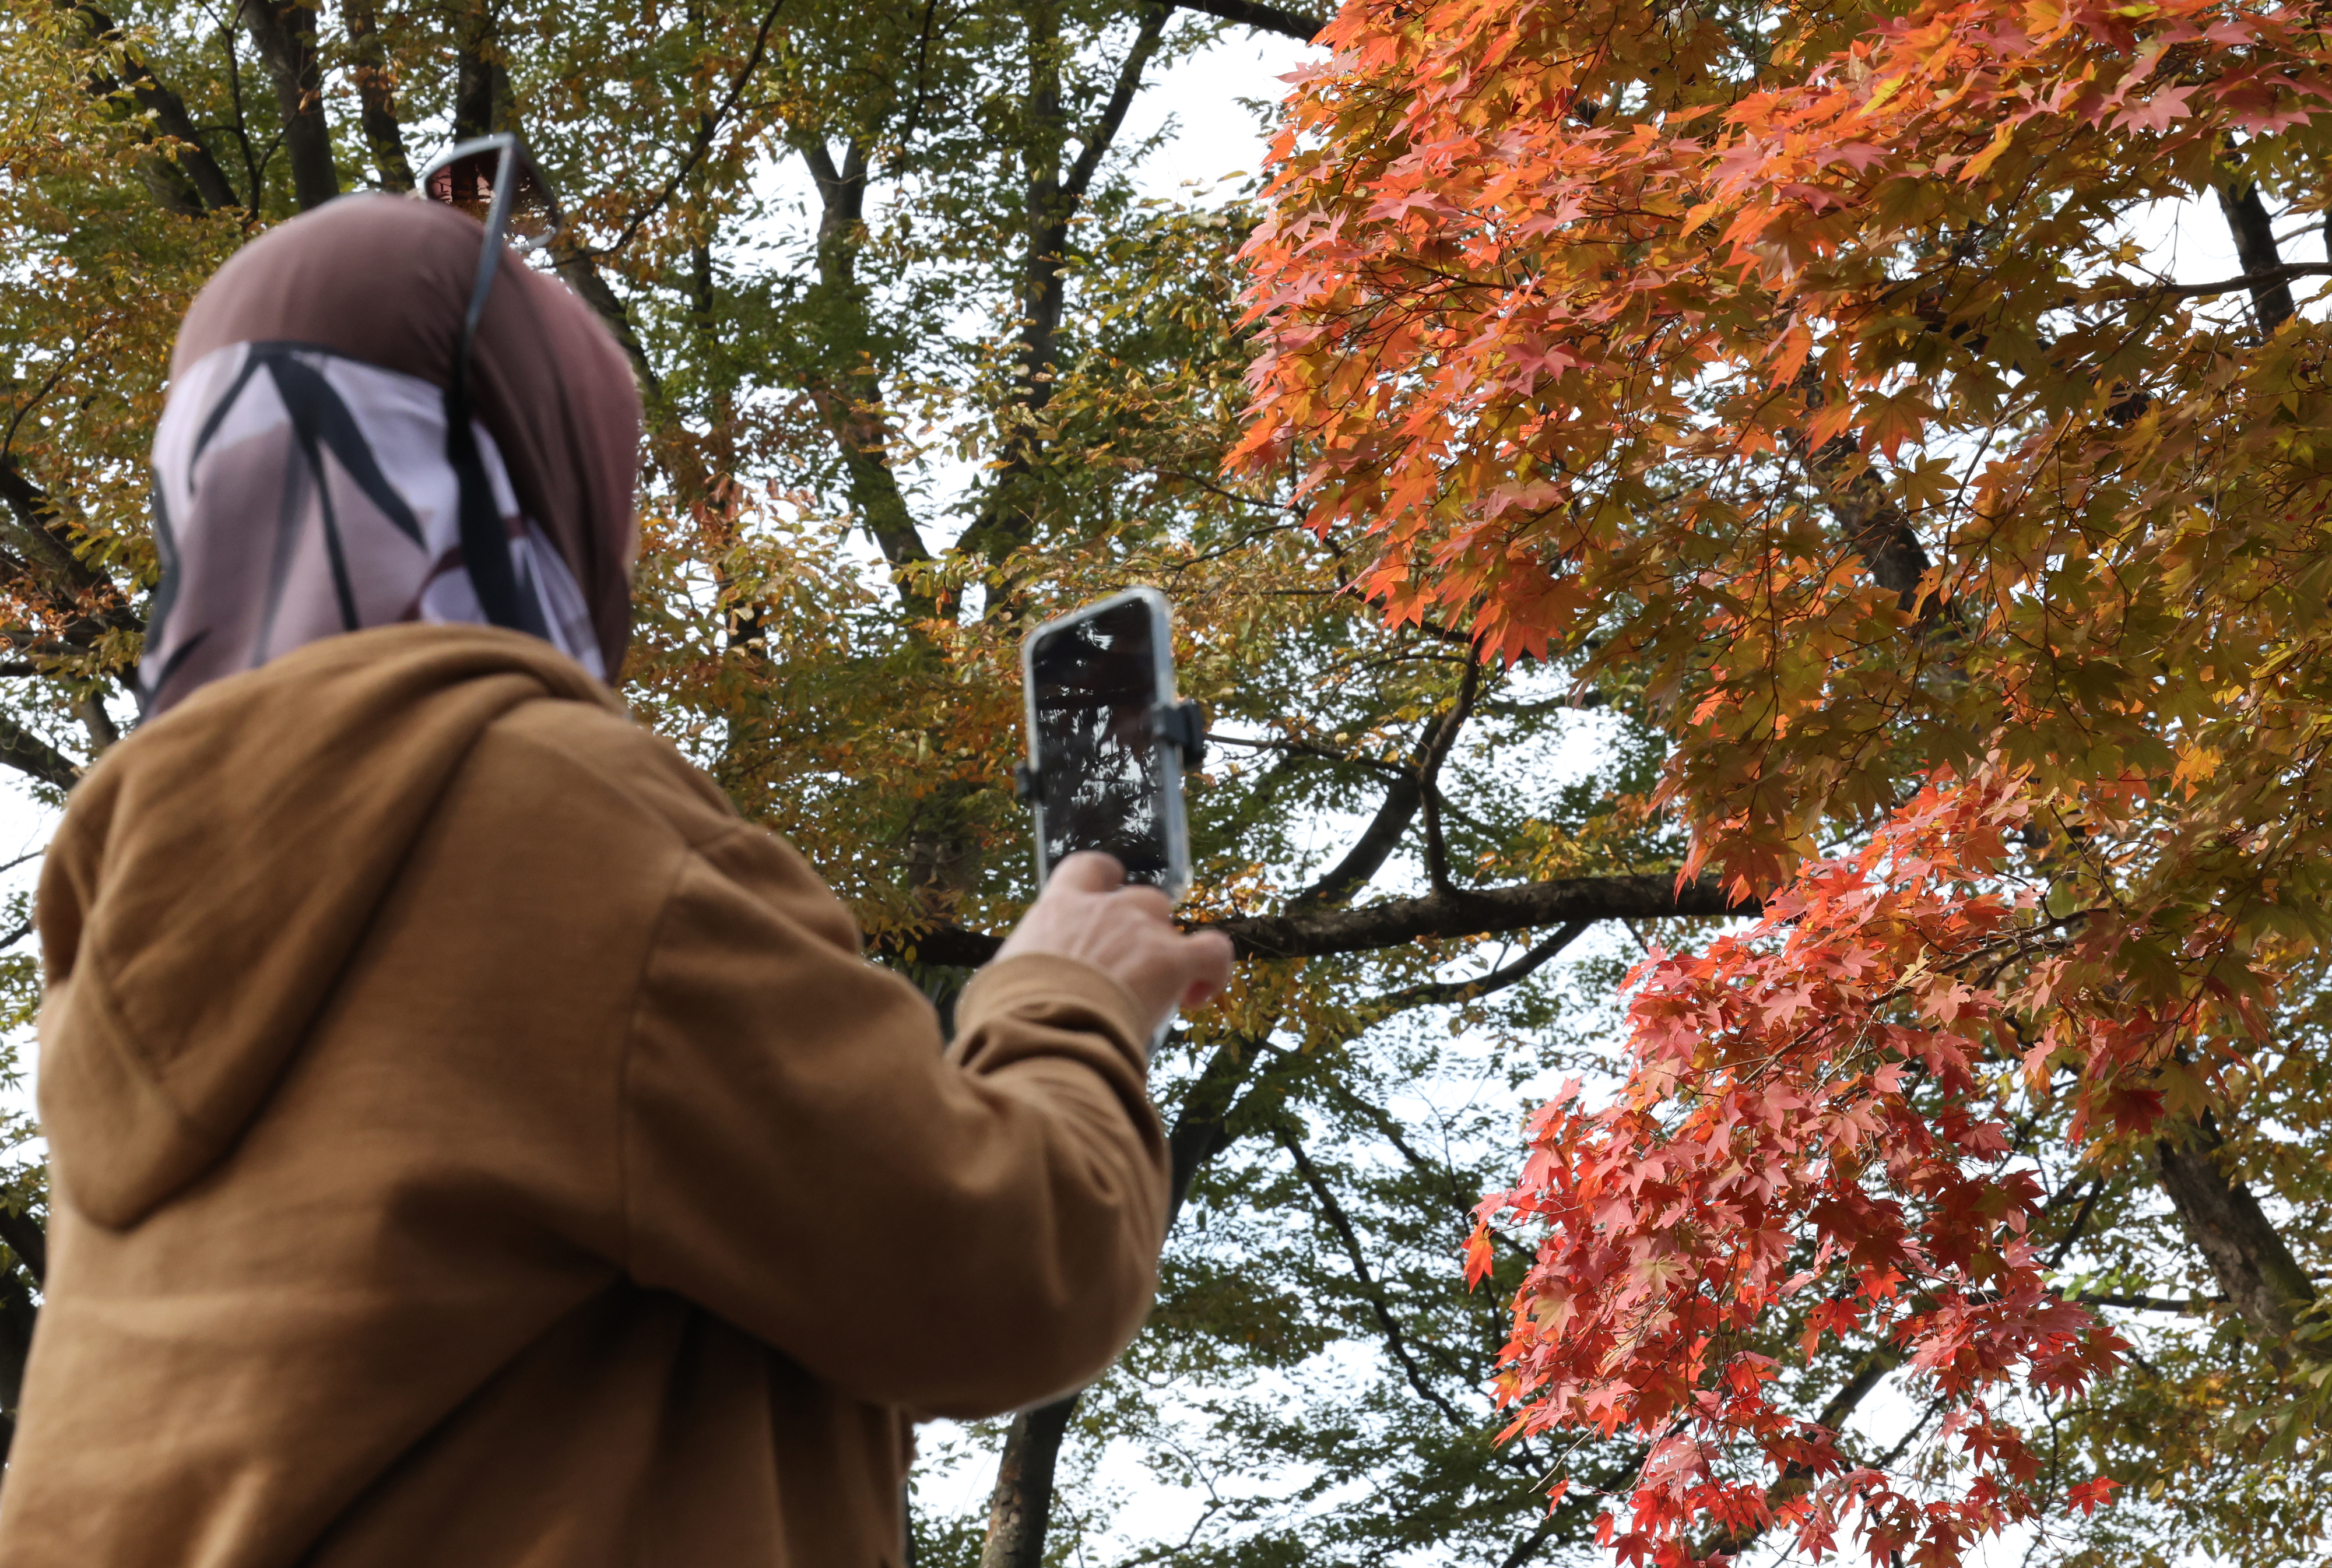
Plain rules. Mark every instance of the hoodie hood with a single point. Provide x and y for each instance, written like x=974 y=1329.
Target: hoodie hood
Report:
x=216 y=872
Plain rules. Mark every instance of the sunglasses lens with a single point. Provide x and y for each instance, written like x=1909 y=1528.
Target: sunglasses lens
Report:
x=468 y=183
x=532 y=218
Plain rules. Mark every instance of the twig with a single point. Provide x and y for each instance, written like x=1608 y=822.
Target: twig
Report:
x=702 y=141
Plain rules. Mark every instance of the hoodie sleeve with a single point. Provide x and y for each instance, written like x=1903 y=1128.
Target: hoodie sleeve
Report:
x=963 y=1233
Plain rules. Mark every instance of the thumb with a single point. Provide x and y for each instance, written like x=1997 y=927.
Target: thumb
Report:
x=1210 y=953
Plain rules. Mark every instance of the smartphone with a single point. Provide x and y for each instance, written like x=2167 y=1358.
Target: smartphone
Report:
x=1108 y=741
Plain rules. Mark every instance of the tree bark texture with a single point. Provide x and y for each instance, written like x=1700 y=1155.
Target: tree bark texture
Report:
x=1262 y=18
x=1458 y=912
x=181 y=173
x=17 y=1314
x=2256 y=1272
x=377 y=98
x=2254 y=234
x=1022 y=1504
x=284 y=33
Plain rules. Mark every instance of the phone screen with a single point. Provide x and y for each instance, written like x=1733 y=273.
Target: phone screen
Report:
x=1093 y=691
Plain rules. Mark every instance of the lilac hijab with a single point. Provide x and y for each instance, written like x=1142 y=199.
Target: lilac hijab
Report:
x=300 y=484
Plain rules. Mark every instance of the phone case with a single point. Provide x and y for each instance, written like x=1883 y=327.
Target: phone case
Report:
x=1166 y=758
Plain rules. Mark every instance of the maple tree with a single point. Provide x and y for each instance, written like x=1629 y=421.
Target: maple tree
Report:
x=1810 y=362
x=922 y=362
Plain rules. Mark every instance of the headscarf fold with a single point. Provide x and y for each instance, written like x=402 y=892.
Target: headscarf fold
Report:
x=302 y=486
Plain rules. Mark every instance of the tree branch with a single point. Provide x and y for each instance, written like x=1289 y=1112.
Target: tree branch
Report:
x=27 y=753
x=38 y=526
x=2283 y=273
x=1369 y=928
x=1440 y=993
x=27 y=1240
x=849 y=399
x=582 y=275
x=480 y=85
x=1262 y=18
x=1021 y=1504
x=1006 y=517
x=1794 y=1479
x=167 y=110
x=1121 y=98
x=1476 y=912
x=1334 y=1214
x=1876 y=529
x=1399 y=808
x=2150 y=1303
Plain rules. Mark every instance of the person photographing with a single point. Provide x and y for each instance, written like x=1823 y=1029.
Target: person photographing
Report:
x=472 y=1143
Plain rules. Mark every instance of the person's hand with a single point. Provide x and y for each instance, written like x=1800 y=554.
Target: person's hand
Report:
x=1088 y=912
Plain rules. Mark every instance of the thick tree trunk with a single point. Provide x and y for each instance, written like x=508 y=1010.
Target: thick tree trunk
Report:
x=1019 y=1510
x=2256 y=1271
x=1022 y=1504
x=2254 y=232
x=285 y=37
x=17 y=1316
x=377 y=98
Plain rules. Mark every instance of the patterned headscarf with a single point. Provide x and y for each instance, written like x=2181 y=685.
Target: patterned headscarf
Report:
x=302 y=486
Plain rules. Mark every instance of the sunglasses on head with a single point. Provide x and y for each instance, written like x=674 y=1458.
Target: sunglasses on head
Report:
x=494 y=180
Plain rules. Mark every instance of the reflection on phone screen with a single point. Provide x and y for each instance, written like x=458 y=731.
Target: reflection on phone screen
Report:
x=1095 y=682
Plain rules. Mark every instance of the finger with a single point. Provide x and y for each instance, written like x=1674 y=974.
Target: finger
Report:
x=1088 y=871
x=1148 y=900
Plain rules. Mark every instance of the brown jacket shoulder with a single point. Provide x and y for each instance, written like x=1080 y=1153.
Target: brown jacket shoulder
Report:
x=475 y=1143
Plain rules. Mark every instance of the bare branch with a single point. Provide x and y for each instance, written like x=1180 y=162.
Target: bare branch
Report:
x=35 y=523
x=2284 y=273
x=1440 y=993
x=1370 y=1291
x=1399 y=808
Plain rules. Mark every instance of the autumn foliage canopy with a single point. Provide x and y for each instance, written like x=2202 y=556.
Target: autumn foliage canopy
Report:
x=1818 y=369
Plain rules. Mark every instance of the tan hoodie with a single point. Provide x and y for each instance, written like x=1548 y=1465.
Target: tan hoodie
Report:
x=474 y=1144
